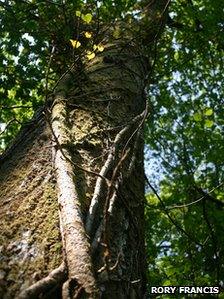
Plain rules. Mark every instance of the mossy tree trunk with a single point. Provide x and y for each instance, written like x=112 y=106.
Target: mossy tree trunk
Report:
x=72 y=186
x=95 y=128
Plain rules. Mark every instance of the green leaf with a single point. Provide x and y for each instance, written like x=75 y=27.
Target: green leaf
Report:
x=87 y=18
x=167 y=283
x=209 y=123
x=208 y=111
x=78 y=13
x=176 y=56
x=197 y=117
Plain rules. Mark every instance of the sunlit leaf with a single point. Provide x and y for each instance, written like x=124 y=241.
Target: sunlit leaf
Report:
x=209 y=123
x=75 y=43
x=78 y=13
x=100 y=48
x=88 y=34
x=167 y=283
x=197 y=117
x=87 y=18
x=176 y=55
x=208 y=111
x=90 y=55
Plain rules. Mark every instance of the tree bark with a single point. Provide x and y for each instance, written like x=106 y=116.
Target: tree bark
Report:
x=96 y=127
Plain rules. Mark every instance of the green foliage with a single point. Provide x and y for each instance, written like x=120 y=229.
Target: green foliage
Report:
x=35 y=33
x=184 y=133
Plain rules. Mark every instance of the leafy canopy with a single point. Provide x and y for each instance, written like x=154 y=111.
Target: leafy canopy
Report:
x=185 y=136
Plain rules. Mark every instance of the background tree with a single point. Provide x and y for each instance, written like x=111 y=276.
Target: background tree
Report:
x=185 y=135
x=90 y=67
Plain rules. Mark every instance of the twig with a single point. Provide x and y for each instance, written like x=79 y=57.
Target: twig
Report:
x=116 y=263
x=16 y=107
x=9 y=124
x=168 y=215
x=199 y=199
x=106 y=213
x=142 y=117
x=185 y=205
x=98 y=192
x=133 y=158
x=64 y=74
x=113 y=198
x=213 y=239
x=47 y=72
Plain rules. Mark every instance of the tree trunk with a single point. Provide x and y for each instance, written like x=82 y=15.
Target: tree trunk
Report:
x=95 y=128
x=72 y=185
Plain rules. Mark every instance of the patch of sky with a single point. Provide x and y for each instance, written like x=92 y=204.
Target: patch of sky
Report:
x=154 y=170
x=202 y=168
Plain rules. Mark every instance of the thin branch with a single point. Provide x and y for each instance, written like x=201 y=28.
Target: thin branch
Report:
x=16 y=107
x=143 y=117
x=168 y=215
x=218 y=202
x=47 y=72
x=213 y=239
x=64 y=74
x=207 y=196
x=185 y=205
x=99 y=189
x=99 y=184
x=9 y=124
